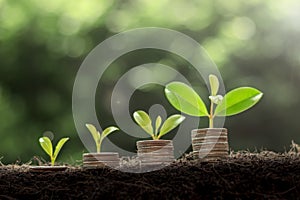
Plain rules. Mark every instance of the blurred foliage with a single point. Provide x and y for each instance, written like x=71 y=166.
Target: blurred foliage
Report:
x=42 y=44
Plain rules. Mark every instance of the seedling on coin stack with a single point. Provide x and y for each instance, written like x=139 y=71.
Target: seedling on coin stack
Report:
x=98 y=137
x=156 y=151
x=145 y=122
x=211 y=143
x=99 y=159
x=47 y=146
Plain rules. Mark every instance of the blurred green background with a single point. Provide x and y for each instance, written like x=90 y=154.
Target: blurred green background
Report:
x=42 y=44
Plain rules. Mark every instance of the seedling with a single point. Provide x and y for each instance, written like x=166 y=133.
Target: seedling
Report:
x=98 y=137
x=145 y=122
x=186 y=100
x=46 y=144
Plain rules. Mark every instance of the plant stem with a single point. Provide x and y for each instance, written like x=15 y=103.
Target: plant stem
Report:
x=155 y=137
x=99 y=144
x=99 y=147
x=52 y=161
x=211 y=115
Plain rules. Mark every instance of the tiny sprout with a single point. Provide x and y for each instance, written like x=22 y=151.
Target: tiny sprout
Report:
x=216 y=99
x=47 y=146
x=144 y=121
x=98 y=137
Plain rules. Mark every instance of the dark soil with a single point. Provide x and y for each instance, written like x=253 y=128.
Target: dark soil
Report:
x=266 y=175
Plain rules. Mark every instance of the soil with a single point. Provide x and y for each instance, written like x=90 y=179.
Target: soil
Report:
x=244 y=175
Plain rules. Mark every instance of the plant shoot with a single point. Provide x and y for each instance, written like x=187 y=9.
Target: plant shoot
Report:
x=98 y=137
x=185 y=99
x=47 y=146
x=158 y=129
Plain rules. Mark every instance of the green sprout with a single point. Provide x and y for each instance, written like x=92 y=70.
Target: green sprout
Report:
x=47 y=146
x=98 y=137
x=185 y=99
x=145 y=122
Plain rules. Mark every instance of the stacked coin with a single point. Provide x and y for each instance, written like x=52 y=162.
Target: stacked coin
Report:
x=94 y=160
x=210 y=144
x=42 y=169
x=155 y=152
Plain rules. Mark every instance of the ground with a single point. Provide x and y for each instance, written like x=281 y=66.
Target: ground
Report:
x=264 y=175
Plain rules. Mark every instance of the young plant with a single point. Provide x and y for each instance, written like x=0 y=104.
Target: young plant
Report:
x=186 y=100
x=47 y=146
x=145 y=122
x=98 y=137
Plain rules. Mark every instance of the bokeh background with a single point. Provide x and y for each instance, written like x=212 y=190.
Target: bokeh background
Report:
x=42 y=44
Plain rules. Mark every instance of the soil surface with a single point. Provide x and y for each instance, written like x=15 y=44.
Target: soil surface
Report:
x=265 y=175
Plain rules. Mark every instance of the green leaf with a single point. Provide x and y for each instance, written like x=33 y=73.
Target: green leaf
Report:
x=238 y=100
x=171 y=123
x=95 y=134
x=58 y=147
x=144 y=121
x=46 y=144
x=214 y=84
x=108 y=131
x=157 y=124
x=185 y=99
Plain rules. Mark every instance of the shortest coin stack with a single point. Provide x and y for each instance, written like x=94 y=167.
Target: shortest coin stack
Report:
x=210 y=144
x=155 y=152
x=94 y=160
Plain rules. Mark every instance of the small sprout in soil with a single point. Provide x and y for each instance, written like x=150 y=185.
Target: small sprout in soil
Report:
x=144 y=121
x=47 y=146
x=98 y=137
x=186 y=100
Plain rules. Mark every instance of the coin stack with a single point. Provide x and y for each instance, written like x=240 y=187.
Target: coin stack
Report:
x=94 y=160
x=210 y=144
x=155 y=152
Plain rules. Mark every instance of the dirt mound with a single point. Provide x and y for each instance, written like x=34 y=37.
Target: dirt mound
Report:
x=265 y=175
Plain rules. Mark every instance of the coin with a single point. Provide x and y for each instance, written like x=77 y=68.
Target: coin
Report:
x=141 y=153
x=209 y=134
x=155 y=151
x=198 y=133
x=210 y=139
x=209 y=130
x=218 y=145
x=155 y=148
x=155 y=142
x=47 y=168
x=101 y=163
x=101 y=159
x=210 y=143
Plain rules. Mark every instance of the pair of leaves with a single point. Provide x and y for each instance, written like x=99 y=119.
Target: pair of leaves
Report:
x=97 y=136
x=145 y=122
x=186 y=100
x=47 y=146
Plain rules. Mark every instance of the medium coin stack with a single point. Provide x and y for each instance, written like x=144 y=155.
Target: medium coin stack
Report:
x=210 y=144
x=94 y=160
x=155 y=152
